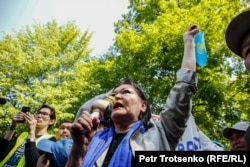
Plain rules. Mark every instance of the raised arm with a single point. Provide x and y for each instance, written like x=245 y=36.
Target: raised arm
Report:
x=179 y=102
x=188 y=60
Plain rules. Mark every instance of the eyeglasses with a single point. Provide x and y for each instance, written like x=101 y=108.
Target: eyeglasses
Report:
x=43 y=114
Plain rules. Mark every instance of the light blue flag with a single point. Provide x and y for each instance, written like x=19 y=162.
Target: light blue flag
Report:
x=200 y=49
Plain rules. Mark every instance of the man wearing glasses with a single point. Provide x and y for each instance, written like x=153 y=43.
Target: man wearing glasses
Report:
x=14 y=148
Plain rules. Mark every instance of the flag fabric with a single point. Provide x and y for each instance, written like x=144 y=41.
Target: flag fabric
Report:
x=200 y=49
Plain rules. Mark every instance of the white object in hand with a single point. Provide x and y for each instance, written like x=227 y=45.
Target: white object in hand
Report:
x=95 y=114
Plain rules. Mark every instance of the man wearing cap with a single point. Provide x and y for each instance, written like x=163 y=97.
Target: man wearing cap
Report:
x=238 y=37
x=235 y=135
x=238 y=41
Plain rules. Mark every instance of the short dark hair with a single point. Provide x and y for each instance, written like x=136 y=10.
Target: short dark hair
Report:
x=65 y=121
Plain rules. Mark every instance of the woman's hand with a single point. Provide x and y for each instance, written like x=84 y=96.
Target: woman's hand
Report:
x=189 y=61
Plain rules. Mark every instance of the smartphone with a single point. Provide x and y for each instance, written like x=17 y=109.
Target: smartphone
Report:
x=24 y=109
x=3 y=101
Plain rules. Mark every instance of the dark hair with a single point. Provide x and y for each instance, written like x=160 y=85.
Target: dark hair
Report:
x=66 y=121
x=52 y=112
x=144 y=116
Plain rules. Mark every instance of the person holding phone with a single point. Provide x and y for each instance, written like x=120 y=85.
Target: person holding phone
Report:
x=14 y=147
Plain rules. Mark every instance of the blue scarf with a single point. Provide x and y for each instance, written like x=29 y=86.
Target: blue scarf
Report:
x=122 y=156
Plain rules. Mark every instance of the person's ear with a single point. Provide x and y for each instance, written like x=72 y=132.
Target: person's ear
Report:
x=52 y=121
x=144 y=106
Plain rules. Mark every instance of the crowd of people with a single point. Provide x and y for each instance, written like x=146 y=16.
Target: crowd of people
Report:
x=112 y=139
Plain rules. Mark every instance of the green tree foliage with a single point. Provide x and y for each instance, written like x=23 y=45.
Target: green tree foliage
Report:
x=52 y=63
x=46 y=64
x=149 y=46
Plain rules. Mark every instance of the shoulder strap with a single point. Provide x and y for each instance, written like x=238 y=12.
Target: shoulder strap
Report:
x=19 y=141
x=21 y=163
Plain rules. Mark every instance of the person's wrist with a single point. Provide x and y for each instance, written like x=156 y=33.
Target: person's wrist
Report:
x=12 y=127
x=31 y=137
x=28 y=140
x=32 y=134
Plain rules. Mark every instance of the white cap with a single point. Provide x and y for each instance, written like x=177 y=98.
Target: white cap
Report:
x=240 y=126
